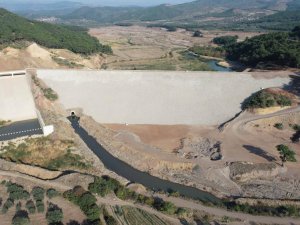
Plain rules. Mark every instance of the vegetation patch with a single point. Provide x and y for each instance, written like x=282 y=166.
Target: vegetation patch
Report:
x=48 y=92
x=266 y=99
x=33 y=151
x=64 y=62
x=68 y=160
x=4 y=122
x=15 y=28
x=286 y=154
x=86 y=201
x=225 y=40
x=210 y=51
x=278 y=48
x=279 y=126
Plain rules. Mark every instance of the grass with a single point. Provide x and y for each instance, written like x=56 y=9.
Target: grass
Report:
x=33 y=151
x=48 y=92
x=4 y=122
x=68 y=160
x=65 y=62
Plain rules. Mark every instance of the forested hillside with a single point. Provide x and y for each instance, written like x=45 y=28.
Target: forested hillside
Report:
x=14 y=28
x=280 y=48
x=164 y=12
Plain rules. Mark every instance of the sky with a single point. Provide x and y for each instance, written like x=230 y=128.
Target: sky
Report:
x=105 y=2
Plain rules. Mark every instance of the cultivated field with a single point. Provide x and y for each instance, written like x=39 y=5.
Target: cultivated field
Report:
x=143 y=48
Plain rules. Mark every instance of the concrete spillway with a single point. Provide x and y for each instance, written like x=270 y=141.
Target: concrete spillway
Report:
x=16 y=100
x=152 y=97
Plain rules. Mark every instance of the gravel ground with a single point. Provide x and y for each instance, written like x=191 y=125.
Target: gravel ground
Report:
x=154 y=97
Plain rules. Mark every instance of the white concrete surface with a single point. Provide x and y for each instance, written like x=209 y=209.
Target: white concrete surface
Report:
x=16 y=100
x=140 y=97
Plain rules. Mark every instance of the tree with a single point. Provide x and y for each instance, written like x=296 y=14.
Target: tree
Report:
x=38 y=193
x=21 y=218
x=51 y=193
x=286 y=154
x=54 y=214
x=225 y=40
x=30 y=206
x=198 y=33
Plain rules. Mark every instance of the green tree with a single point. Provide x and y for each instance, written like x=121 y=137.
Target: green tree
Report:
x=54 y=214
x=286 y=154
x=30 y=206
x=21 y=218
x=51 y=193
x=38 y=193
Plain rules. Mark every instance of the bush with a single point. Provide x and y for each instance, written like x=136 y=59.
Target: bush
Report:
x=30 y=206
x=279 y=126
x=16 y=192
x=19 y=206
x=38 y=193
x=21 y=218
x=7 y=205
x=40 y=206
x=85 y=200
x=51 y=193
x=54 y=214
x=265 y=99
x=198 y=33
x=104 y=185
x=286 y=153
x=109 y=220
x=225 y=40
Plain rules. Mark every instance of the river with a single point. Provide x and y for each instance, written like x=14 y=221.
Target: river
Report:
x=125 y=170
x=213 y=64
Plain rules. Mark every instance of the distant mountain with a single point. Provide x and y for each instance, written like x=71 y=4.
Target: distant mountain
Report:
x=165 y=12
x=27 y=7
x=14 y=28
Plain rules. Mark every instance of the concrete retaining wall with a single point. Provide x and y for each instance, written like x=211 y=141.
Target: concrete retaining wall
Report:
x=16 y=100
x=154 y=97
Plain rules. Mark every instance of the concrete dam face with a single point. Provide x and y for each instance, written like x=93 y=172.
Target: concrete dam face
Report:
x=16 y=100
x=153 y=97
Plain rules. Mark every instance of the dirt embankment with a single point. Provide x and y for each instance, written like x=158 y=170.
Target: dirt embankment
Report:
x=35 y=56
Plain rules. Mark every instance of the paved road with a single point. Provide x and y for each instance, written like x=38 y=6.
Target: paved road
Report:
x=20 y=129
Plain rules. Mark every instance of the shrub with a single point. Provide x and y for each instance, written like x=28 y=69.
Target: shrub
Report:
x=54 y=214
x=51 y=193
x=85 y=200
x=30 y=206
x=265 y=99
x=40 y=206
x=21 y=218
x=104 y=185
x=109 y=220
x=16 y=192
x=286 y=153
x=7 y=205
x=18 y=206
x=225 y=40
x=38 y=193
x=279 y=126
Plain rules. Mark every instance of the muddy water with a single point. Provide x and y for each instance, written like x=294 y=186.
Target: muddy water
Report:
x=125 y=170
x=213 y=64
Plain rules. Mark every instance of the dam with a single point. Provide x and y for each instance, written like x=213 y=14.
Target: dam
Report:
x=156 y=97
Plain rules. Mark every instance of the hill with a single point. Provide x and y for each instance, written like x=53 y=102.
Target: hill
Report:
x=273 y=49
x=285 y=20
x=14 y=28
x=165 y=12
